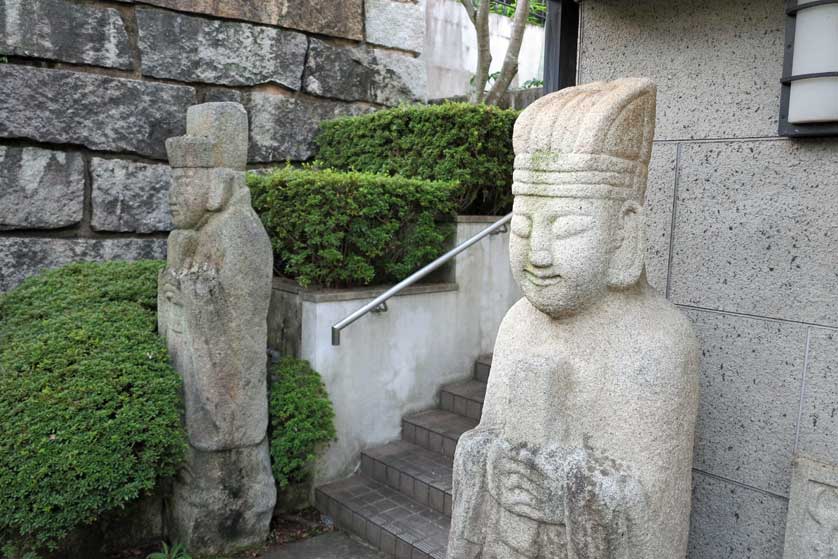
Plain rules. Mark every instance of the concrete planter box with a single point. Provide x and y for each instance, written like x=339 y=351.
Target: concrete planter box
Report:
x=393 y=363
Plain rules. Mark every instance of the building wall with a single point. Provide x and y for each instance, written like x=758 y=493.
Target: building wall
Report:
x=451 y=49
x=744 y=238
x=89 y=91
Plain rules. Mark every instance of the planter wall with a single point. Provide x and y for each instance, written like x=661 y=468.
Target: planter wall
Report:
x=393 y=363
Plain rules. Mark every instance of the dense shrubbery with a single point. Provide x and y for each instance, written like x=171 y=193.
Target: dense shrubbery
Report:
x=301 y=418
x=470 y=144
x=89 y=405
x=338 y=229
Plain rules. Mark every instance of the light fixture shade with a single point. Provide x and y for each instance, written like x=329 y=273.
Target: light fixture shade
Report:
x=814 y=92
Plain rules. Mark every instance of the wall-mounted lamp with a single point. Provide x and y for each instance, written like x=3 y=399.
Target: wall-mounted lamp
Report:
x=809 y=103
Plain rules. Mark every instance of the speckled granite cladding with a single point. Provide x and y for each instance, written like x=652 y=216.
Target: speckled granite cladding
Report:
x=717 y=64
x=819 y=419
x=90 y=89
x=756 y=231
x=752 y=251
x=750 y=379
x=730 y=520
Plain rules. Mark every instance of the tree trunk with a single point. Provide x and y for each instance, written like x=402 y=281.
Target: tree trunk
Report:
x=484 y=53
x=510 y=62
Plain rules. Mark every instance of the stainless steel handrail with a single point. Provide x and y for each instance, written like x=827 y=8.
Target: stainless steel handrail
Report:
x=414 y=277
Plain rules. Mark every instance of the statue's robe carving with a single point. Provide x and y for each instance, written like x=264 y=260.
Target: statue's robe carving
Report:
x=584 y=448
x=213 y=301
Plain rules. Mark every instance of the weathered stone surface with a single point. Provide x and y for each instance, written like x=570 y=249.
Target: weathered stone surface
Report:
x=221 y=95
x=283 y=128
x=812 y=520
x=130 y=196
x=225 y=125
x=224 y=500
x=717 y=64
x=41 y=188
x=753 y=230
x=66 y=31
x=24 y=257
x=729 y=520
x=396 y=23
x=659 y=200
x=109 y=114
x=213 y=299
x=751 y=372
x=819 y=420
x=352 y=74
x=584 y=447
x=195 y=49
x=324 y=17
x=411 y=70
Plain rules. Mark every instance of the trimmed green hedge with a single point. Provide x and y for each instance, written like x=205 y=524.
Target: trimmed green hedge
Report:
x=301 y=419
x=336 y=229
x=470 y=144
x=89 y=405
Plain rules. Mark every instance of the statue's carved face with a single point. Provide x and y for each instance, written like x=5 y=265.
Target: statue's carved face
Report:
x=188 y=197
x=560 y=250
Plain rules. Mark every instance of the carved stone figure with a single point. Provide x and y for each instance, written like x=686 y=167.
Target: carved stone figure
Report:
x=213 y=300
x=812 y=524
x=584 y=449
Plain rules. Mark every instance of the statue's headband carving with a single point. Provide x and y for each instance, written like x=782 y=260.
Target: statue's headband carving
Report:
x=216 y=136
x=590 y=141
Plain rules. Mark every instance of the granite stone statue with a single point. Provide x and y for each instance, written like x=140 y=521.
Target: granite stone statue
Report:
x=584 y=449
x=213 y=300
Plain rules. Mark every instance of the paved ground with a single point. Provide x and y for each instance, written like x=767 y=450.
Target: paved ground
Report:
x=334 y=545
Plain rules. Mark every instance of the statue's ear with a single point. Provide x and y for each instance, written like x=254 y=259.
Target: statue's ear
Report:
x=629 y=247
x=220 y=192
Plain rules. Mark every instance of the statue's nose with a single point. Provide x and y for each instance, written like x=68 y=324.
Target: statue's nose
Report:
x=541 y=258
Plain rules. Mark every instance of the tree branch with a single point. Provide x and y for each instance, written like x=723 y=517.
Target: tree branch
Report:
x=510 y=61
x=484 y=52
x=472 y=13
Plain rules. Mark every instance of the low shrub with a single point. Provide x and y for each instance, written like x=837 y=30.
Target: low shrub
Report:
x=337 y=229
x=469 y=144
x=89 y=405
x=301 y=419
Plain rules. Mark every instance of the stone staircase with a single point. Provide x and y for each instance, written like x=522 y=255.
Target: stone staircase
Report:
x=400 y=502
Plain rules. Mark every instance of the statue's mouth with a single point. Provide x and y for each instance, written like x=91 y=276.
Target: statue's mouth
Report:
x=542 y=280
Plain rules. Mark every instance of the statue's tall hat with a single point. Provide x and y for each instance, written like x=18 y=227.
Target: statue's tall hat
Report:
x=216 y=136
x=589 y=141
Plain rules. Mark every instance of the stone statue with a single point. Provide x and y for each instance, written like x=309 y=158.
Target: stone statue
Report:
x=584 y=449
x=213 y=300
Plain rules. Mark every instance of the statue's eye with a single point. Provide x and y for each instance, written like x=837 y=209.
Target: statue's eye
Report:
x=521 y=226
x=570 y=225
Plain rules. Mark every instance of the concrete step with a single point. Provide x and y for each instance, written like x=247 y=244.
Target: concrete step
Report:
x=482 y=367
x=464 y=398
x=417 y=472
x=387 y=519
x=436 y=430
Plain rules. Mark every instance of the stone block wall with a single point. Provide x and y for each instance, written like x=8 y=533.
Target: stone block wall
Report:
x=90 y=89
x=743 y=236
